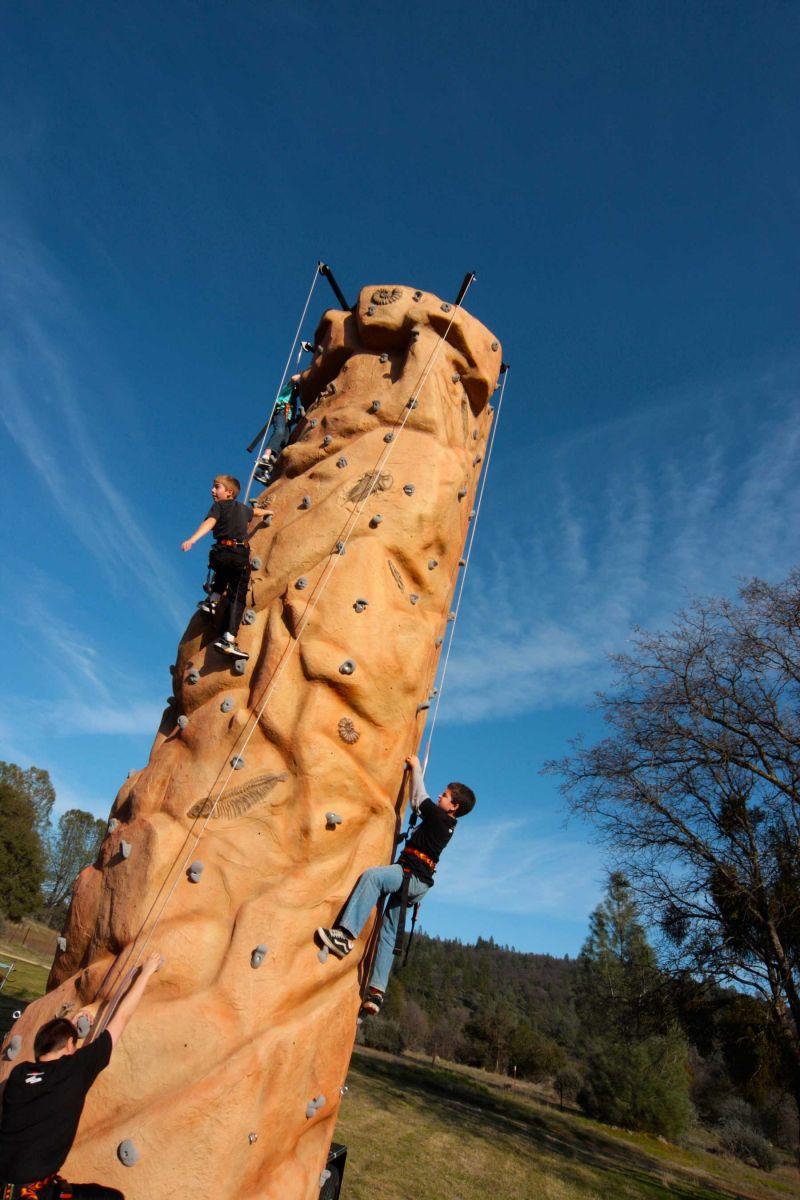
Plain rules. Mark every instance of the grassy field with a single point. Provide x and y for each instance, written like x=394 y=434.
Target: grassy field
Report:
x=417 y=1133
x=26 y=981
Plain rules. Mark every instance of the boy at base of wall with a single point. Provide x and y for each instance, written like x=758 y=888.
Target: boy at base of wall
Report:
x=418 y=859
x=229 y=560
x=43 y=1102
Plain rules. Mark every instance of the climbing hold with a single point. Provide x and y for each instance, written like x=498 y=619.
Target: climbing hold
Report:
x=474 y=435
x=239 y=666
x=311 y=1107
x=495 y=346
x=446 y=307
x=305 y=502
x=360 y=605
x=257 y=957
x=249 y=617
x=491 y=411
x=476 y=460
x=417 y=296
x=388 y=437
x=226 y=705
x=451 y=616
x=252 y=1137
x=324 y=1176
x=344 y=1089
x=195 y=871
x=193 y=677
x=322 y=954
x=432 y=563
x=462 y=493
x=408 y=488
x=462 y=562
x=472 y=514
x=456 y=378
x=414 y=334
x=130 y=773
x=339 y=548
x=61 y=943
x=438 y=641
x=375 y=406
x=13 y=1047
x=183 y=721
x=112 y=824
x=347 y=731
x=326 y=441
x=83 y=1025
x=319 y=1102
x=255 y=563
x=301 y=583
x=384 y=357
x=237 y=762
x=125 y=849
x=347 y=667
x=313 y=422
x=341 y=462
x=376 y=520
x=127 y=1153
x=332 y=819
x=371 y=310
x=412 y=402
x=413 y=597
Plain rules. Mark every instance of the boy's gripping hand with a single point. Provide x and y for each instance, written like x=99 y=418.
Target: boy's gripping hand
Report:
x=187 y=545
x=412 y=761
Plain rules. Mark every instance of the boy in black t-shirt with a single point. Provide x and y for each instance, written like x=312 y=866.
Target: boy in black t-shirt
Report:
x=43 y=1102
x=417 y=861
x=229 y=560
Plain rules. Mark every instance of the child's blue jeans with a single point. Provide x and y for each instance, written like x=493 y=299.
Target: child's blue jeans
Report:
x=374 y=883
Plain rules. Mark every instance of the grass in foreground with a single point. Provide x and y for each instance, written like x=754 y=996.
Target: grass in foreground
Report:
x=418 y=1133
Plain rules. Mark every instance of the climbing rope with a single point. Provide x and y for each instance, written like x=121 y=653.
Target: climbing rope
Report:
x=317 y=273
x=346 y=533
x=463 y=579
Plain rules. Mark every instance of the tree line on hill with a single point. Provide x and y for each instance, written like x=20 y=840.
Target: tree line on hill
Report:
x=39 y=857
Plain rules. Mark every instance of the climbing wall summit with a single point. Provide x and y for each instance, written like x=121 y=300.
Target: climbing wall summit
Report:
x=254 y=817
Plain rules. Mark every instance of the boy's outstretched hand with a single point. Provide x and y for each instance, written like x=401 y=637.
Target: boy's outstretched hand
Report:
x=187 y=545
x=412 y=760
x=152 y=964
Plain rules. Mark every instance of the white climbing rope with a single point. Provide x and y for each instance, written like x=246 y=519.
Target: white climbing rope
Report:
x=463 y=579
x=283 y=381
x=237 y=750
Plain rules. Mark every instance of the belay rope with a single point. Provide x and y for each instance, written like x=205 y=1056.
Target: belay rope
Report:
x=207 y=811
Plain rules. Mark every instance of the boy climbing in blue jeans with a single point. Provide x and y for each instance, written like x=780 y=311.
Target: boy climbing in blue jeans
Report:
x=418 y=860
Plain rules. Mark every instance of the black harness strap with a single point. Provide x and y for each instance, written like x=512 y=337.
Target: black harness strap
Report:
x=401 y=916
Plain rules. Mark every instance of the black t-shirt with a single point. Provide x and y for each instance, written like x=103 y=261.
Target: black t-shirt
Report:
x=42 y=1106
x=430 y=837
x=232 y=519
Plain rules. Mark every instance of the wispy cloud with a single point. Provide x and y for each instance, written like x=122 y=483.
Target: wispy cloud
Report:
x=46 y=396
x=622 y=524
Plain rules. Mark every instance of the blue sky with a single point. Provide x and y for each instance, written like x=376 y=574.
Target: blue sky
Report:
x=624 y=179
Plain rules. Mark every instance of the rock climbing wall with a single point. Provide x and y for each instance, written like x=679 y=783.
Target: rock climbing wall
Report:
x=289 y=772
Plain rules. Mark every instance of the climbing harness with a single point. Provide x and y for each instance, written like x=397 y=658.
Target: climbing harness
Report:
x=246 y=734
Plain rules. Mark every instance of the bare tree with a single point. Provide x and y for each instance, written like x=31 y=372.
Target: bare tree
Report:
x=697 y=790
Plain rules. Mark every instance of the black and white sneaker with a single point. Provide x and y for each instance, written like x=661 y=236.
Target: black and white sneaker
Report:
x=227 y=645
x=336 y=940
x=371 y=1004
x=207 y=606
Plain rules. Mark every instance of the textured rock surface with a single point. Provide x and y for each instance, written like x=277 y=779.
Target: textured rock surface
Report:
x=244 y=1025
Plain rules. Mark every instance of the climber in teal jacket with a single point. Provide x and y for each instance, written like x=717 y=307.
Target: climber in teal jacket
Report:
x=287 y=412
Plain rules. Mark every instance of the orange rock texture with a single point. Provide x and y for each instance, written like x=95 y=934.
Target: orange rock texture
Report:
x=268 y=791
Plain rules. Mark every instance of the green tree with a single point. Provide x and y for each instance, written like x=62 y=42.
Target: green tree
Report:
x=21 y=857
x=72 y=846
x=639 y=1085
x=35 y=784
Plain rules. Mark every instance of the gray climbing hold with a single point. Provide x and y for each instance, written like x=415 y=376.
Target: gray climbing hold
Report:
x=249 y=617
x=435 y=692
x=388 y=437
x=322 y=954
x=226 y=705
x=472 y=514
x=301 y=583
x=446 y=307
x=375 y=406
x=339 y=548
x=125 y=849
x=324 y=1176
x=112 y=824
x=408 y=488
x=183 y=721
x=193 y=677
x=195 y=871
x=462 y=562
x=83 y=1025
x=240 y=666
x=417 y=296
x=319 y=1102
x=252 y=1137
x=360 y=605
x=376 y=520
x=255 y=563
x=438 y=641
x=462 y=493
x=495 y=346
x=13 y=1047
x=130 y=773
x=332 y=819
x=257 y=957
x=412 y=402
x=422 y=707
x=451 y=616
x=384 y=357
x=237 y=762
x=456 y=378
x=267 y=519
x=371 y=310
x=341 y=462
x=414 y=334
x=313 y=422
x=432 y=563
x=413 y=597
x=61 y=943
x=127 y=1153
x=326 y=441
x=347 y=667
x=311 y=1108
x=491 y=411
x=305 y=502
